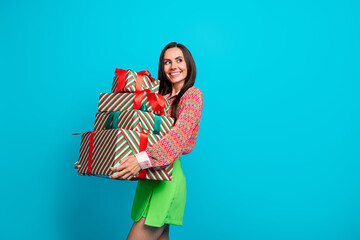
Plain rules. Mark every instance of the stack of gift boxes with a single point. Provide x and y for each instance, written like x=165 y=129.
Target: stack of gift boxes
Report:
x=130 y=118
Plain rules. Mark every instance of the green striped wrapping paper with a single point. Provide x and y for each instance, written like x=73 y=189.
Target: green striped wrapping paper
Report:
x=110 y=146
x=109 y=102
x=130 y=83
x=136 y=120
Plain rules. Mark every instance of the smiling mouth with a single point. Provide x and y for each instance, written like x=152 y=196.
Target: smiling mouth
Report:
x=175 y=73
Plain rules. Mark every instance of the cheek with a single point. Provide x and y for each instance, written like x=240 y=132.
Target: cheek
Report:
x=166 y=68
x=184 y=68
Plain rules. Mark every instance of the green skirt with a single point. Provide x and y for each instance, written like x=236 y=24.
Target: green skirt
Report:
x=161 y=202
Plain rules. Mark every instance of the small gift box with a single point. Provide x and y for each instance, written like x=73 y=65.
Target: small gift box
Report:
x=130 y=81
x=100 y=150
x=144 y=100
x=136 y=120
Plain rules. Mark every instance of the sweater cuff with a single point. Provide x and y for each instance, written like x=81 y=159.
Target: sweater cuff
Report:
x=143 y=160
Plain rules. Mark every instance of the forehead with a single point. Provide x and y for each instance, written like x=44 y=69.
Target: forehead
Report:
x=173 y=53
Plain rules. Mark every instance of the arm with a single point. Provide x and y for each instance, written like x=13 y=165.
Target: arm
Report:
x=192 y=141
x=181 y=138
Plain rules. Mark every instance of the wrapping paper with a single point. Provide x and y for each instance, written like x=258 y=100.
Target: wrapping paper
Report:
x=130 y=81
x=144 y=100
x=136 y=120
x=100 y=150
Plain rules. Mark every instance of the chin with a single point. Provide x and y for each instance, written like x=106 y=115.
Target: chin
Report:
x=173 y=81
x=177 y=81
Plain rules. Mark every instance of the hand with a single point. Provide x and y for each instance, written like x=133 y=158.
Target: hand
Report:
x=126 y=169
x=77 y=165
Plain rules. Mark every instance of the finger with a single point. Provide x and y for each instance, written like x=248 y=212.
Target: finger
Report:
x=120 y=165
x=131 y=174
x=127 y=176
x=117 y=174
x=123 y=167
x=116 y=167
x=130 y=177
x=124 y=160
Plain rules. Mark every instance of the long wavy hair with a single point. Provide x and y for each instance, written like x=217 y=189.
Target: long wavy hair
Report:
x=165 y=84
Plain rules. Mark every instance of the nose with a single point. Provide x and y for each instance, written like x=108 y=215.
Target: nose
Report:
x=173 y=65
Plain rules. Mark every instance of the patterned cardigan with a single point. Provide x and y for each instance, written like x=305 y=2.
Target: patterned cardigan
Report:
x=182 y=137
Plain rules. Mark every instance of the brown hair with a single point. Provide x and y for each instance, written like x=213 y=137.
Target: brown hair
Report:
x=165 y=84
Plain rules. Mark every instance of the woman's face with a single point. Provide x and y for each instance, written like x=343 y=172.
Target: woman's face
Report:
x=175 y=66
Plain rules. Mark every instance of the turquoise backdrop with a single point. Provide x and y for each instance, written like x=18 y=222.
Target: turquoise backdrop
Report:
x=277 y=155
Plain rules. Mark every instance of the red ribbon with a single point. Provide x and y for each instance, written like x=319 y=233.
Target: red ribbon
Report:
x=142 y=147
x=91 y=145
x=157 y=103
x=121 y=74
x=139 y=79
x=141 y=74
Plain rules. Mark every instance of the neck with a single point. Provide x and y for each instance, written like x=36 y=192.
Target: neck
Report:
x=176 y=87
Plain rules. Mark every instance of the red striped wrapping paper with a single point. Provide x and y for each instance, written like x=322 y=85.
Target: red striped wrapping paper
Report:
x=109 y=147
x=130 y=81
x=109 y=102
x=136 y=120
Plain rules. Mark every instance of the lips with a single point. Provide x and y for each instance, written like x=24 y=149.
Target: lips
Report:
x=174 y=73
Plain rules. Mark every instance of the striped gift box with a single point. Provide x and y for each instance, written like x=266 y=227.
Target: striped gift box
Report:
x=130 y=81
x=136 y=120
x=109 y=102
x=100 y=150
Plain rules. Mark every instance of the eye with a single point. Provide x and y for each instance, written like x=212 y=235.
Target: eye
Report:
x=179 y=60
x=166 y=62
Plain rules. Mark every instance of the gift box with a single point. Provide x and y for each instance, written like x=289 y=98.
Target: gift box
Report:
x=100 y=150
x=136 y=120
x=144 y=100
x=130 y=81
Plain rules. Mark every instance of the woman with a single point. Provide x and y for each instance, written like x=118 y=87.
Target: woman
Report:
x=157 y=204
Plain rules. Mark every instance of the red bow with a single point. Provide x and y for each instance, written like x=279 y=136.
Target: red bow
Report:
x=139 y=79
x=157 y=103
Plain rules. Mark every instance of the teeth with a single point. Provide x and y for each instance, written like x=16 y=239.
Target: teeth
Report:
x=172 y=74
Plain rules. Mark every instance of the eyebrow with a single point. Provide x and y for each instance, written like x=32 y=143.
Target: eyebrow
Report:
x=175 y=58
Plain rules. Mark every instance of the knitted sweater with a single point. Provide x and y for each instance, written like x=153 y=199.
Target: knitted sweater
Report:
x=182 y=137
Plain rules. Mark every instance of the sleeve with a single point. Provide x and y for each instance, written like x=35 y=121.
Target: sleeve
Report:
x=143 y=160
x=191 y=143
x=175 y=142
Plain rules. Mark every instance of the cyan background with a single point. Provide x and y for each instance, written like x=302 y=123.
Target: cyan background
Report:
x=277 y=156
